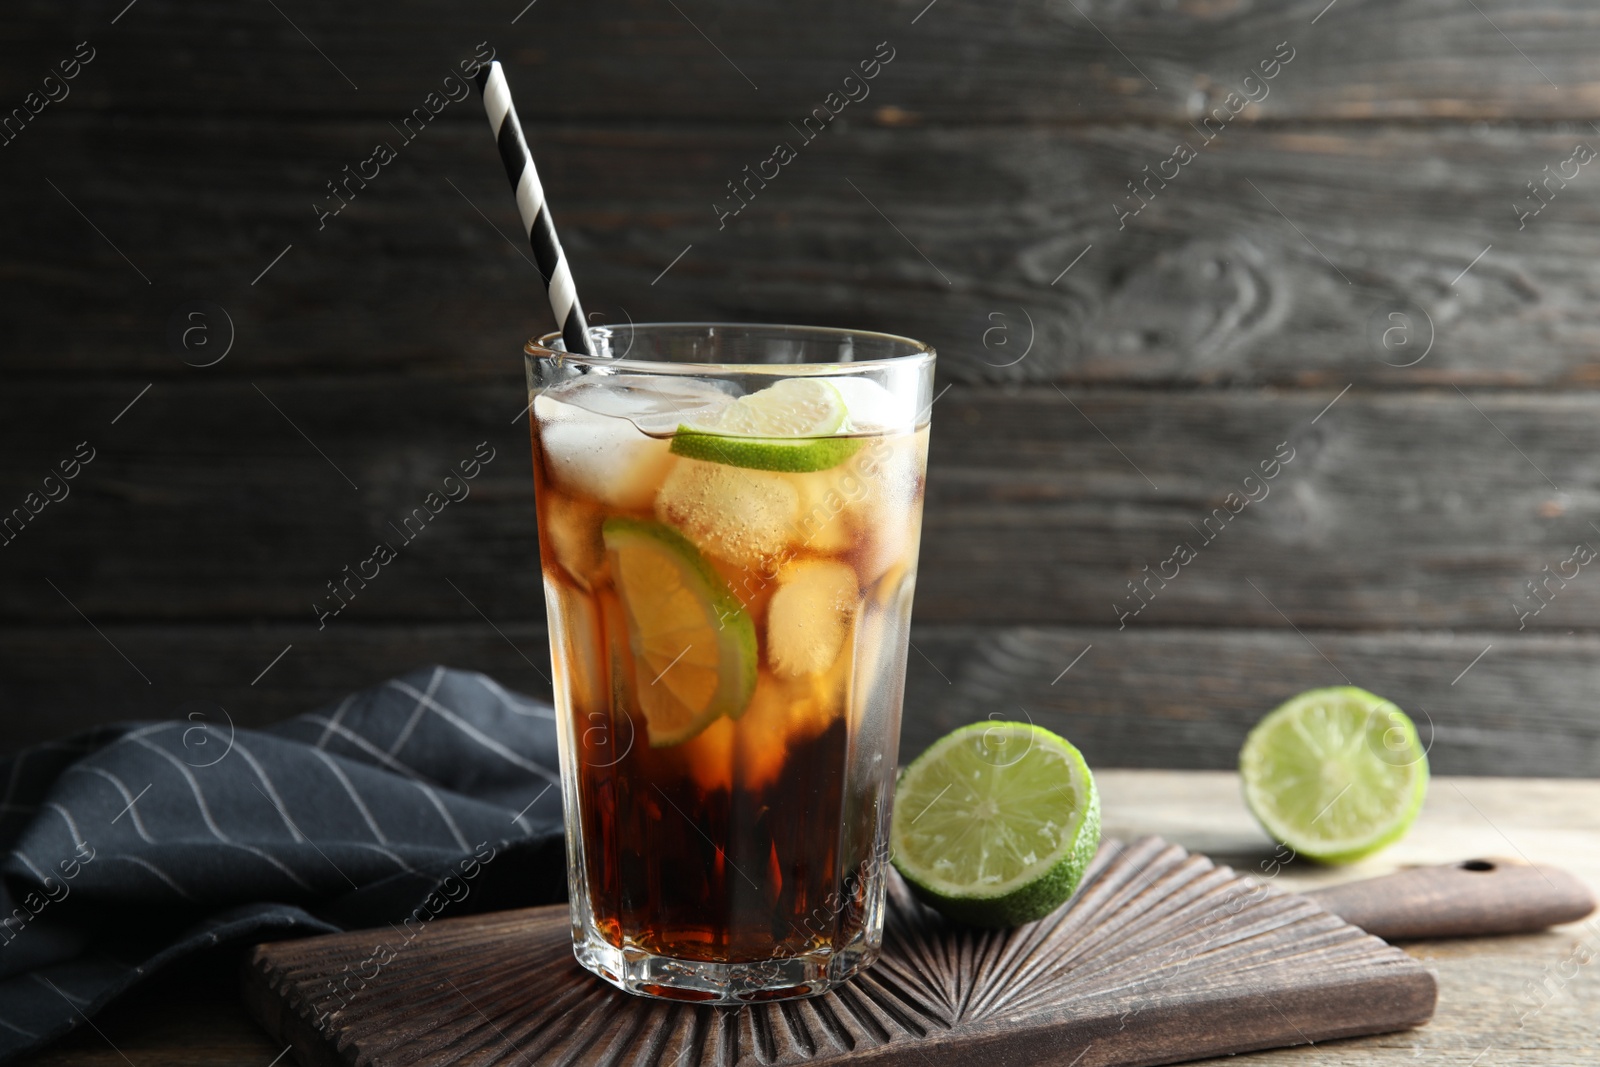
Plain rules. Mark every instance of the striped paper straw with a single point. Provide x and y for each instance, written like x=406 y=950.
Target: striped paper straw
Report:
x=535 y=211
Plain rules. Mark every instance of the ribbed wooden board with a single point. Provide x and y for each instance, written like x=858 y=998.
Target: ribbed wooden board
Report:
x=1161 y=957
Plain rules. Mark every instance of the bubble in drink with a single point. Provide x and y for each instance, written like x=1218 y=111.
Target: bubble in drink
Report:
x=743 y=517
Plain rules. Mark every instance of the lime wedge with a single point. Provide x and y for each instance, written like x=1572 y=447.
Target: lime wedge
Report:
x=788 y=426
x=694 y=646
x=1335 y=774
x=995 y=823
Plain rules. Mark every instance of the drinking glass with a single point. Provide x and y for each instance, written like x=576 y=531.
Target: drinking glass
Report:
x=728 y=523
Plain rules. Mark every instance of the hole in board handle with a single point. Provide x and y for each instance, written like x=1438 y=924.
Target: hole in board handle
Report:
x=1476 y=865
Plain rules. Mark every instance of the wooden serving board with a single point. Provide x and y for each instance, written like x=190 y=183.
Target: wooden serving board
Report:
x=1161 y=957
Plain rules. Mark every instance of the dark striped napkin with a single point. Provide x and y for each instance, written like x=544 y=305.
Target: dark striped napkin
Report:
x=131 y=846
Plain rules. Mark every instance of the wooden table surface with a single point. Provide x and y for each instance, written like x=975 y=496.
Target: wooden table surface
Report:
x=1531 y=1000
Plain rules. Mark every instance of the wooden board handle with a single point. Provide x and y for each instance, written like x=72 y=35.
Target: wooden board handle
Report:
x=1473 y=898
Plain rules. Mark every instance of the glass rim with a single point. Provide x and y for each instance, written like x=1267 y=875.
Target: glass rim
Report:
x=920 y=351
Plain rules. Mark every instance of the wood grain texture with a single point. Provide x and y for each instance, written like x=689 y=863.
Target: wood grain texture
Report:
x=1187 y=698
x=963 y=61
x=1491 y=991
x=1142 y=697
x=1156 y=941
x=997 y=142
x=1473 y=898
x=1395 y=511
x=1276 y=257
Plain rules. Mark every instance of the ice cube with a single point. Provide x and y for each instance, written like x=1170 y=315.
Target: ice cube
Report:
x=710 y=755
x=606 y=435
x=825 y=496
x=602 y=457
x=578 y=655
x=887 y=512
x=810 y=616
x=572 y=526
x=872 y=407
x=656 y=404
x=783 y=714
x=745 y=517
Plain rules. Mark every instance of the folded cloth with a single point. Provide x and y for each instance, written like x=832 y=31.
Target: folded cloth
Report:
x=133 y=845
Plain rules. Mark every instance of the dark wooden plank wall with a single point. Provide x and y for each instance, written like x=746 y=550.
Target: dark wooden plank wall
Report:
x=1095 y=413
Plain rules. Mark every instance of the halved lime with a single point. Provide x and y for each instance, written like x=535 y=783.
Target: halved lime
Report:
x=1335 y=774
x=995 y=823
x=694 y=646
x=788 y=426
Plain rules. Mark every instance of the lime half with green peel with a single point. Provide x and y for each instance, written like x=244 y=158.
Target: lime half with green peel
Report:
x=792 y=425
x=1336 y=774
x=694 y=646
x=995 y=823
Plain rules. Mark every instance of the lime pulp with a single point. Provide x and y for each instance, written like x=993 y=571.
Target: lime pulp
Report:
x=693 y=644
x=995 y=824
x=1336 y=774
x=793 y=425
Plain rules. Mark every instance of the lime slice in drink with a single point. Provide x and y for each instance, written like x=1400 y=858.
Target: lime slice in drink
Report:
x=1335 y=774
x=788 y=426
x=694 y=647
x=995 y=823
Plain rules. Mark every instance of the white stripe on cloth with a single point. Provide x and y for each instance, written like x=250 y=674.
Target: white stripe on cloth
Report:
x=455 y=831
x=513 y=703
x=127 y=797
x=416 y=712
x=272 y=793
x=157 y=871
x=211 y=824
x=355 y=797
x=23 y=857
x=72 y=826
x=477 y=735
x=146 y=731
x=287 y=873
x=194 y=786
x=338 y=717
x=374 y=751
x=403 y=865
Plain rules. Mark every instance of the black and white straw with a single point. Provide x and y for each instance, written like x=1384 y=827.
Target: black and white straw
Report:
x=535 y=211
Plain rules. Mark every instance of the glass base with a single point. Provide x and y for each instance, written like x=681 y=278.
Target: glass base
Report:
x=634 y=970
